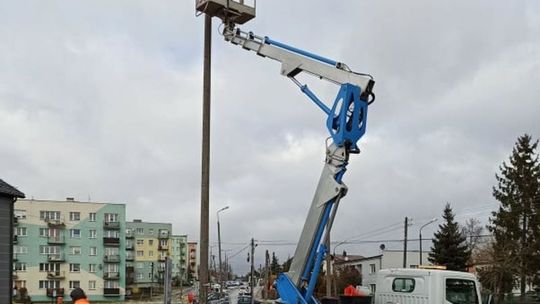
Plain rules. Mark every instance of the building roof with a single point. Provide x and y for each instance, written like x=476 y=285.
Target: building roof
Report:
x=8 y=190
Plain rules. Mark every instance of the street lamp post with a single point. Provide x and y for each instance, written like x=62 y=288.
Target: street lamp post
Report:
x=219 y=249
x=430 y=222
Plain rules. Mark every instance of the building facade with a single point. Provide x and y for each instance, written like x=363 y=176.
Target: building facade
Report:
x=178 y=254
x=8 y=195
x=193 y=264
x=62 y=245
x=147 y=250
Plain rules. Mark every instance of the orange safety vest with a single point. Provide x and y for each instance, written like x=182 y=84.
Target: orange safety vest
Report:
x=81 y=301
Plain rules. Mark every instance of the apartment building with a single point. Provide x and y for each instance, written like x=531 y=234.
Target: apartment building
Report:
x=178 y=254
x=61 y=245
x=193 y=264
x=147 y=250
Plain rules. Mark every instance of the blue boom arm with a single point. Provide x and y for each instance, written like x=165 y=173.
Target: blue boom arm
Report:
x=346 y=124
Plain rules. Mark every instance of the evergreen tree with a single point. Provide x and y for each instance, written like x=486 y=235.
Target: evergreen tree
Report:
x=449 y=246
x=516 y=225
x=274 y=264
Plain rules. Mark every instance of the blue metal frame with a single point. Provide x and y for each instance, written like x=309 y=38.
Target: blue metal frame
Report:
x=346 y=123
x=299 y=51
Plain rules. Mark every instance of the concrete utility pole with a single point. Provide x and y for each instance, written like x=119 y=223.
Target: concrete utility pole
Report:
x=267 y=274
x=205 y=168
x=252 y=285
x=220 y=272
x=328 y=265
x=405 y=243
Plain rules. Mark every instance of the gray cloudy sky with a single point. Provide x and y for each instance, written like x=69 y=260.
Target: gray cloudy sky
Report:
x=102 y=99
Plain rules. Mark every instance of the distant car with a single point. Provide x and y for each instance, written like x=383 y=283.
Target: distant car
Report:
x=244 y=300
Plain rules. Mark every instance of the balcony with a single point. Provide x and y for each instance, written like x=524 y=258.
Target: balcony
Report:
x=163 y=234
x=55 y=222
x=55 y=292
x=129 y=257
x=14 y=275
x=112 y=258
x=15 y=258
x=56 y=275
x=163 y=247
x=130 y=234
x=15 y=239
x=162 y=258
x=111 y=275
x=56 y=257
x=59 y=240
x=15 y=221
x=111 y=225
x=129 y=246
x=111 y=292
x=111 y=241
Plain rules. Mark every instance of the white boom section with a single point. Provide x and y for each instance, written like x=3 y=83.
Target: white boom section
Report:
x=292 y=63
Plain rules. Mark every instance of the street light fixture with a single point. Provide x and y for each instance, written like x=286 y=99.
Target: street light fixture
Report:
x=219 y=248
x=430 y=222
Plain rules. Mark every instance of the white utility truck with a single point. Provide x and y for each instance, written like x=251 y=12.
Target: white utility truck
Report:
x=426 y=286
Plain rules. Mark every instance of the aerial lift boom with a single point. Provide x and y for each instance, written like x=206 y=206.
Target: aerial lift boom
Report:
x=346 y=123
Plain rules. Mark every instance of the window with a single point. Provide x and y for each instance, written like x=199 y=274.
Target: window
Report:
x=163 y=243
x=21 y=231
x=461 y=291
x=111 y=284
x=372 y=268
x=93 y=250
x=49 y=215
x=403 y=285
x=74 y=284
x=49 y=267
x=110 y=217
x=150 y=253
x=74 y=216
x=372 y=288
x=140 y=253
x=43 y=232
x=91 y=285
x=75 y=250
x=140 y=242
x=112 y=251
x=20 y=249
x=44 y=249
x=19 y=266
x=151 y=242
x=75 y=267
x=20 y=214
x=75 y=233
x=140 y=265
x=44 y=284
x=140 y=276
x=92 y=217
x=111 y=233
x=139 y=231
x=150 y=231
x=92 y=233
x=91 y=267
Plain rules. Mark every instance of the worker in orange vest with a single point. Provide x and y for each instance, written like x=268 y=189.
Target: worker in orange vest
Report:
x=78 y=296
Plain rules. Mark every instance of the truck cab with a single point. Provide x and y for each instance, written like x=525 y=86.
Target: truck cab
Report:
x=426 y=286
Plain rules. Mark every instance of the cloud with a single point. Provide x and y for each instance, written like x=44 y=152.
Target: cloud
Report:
x=103 y=100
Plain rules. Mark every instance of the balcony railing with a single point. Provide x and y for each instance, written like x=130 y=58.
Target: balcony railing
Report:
x=55 y=222
x=111 y=292
x=162 y=258
x=15 y=239
x=130 y=234
x=111 y=275
x=111 y=241
x=129 y=246
x=59 y=239
x=163 y=247
x=15 y=221
x=129 y=257
x=56 y=257
x=112 y=258
x=14 y=275
x=111 y=225
x=56 y=275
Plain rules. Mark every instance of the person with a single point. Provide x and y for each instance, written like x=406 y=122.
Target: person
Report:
x=78 y=296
